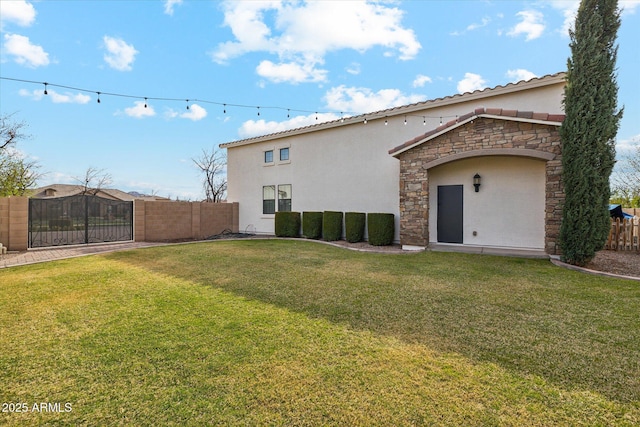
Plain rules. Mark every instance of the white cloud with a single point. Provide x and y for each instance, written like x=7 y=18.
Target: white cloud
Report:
x=140 y=110
x=471 y=82
x=17 y=11
x=629 y=6
x=363 y=100
x=625 y=147
x=195 y=113
x=24 y=52
x=302 y=33
x=420 y=80
x=262 y=127
x=56 y=98
x=169 y=5
x=520 y=74
x=569 y=9
x=353 y=68
x=120 y=55
x=532 y=25
x=485 y=21
x=291 y=72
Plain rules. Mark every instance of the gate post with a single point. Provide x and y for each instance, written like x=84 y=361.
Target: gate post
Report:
x=18 y=224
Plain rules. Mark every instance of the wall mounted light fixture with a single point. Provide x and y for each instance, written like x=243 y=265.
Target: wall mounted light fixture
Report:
x=477 y=181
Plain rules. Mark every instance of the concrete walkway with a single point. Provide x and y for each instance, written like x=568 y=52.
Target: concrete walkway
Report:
x=34 y=256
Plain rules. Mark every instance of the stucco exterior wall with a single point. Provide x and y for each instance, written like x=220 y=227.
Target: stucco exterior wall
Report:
x=508 y=211
x=346 y=166
x=520 y=199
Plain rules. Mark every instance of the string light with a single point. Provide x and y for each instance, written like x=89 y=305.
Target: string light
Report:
x=385 y=121
x=224 y=105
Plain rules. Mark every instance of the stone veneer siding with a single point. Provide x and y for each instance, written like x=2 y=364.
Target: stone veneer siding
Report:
x=480 y=134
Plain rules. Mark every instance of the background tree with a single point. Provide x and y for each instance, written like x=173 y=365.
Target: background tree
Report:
x=626 y=184
x=213 y=164
x=589 y=129
x=94 y=180
x=17 y=174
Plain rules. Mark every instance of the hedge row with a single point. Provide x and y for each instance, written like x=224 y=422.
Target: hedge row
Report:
x=328 y=225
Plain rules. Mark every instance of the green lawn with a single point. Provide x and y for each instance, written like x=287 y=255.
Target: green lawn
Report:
x=282 y=332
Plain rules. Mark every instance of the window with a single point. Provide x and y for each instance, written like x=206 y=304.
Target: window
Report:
x=284 y=154
x=269 y=199
x=284 y=198
x=268 y=156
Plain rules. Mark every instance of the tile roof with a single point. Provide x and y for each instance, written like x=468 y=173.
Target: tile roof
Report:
x=526 y=116
x=404 y=109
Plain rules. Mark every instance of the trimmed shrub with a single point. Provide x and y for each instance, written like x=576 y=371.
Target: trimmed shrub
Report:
x=354 y=223
x=60 y=224
x=287 y=224
x=331 y=225
x=312 y=225
x=381 y=228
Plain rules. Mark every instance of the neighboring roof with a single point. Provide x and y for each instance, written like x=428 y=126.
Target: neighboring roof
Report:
x=408 y=109
x=64 y=190
x=491 y=113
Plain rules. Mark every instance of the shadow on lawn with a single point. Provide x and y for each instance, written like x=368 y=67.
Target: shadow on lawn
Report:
x=576 y=330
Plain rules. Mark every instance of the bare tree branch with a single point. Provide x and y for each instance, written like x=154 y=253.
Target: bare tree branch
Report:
x=10 y=131
x=94 y=180
x=213 y=166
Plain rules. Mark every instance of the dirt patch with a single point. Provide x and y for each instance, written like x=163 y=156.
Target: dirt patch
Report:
x=626 y=263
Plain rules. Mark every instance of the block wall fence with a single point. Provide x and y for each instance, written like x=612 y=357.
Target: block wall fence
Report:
x=154 y=221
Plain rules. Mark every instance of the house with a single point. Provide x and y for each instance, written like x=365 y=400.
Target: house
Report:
x=64 y=190
x=403 y=160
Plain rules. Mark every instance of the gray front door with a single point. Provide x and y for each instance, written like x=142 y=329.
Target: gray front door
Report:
x=450 y=213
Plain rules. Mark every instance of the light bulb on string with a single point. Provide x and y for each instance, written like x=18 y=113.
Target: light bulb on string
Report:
x=224 y=111
x=98 y=97
x=288 y=113
x=385 y=121
x=45 y=89
x=187 y=104
x=365 y=120
x=440 y=121
x=405 y=120
x=145 y=103
x=424 y=121
x=258 y=111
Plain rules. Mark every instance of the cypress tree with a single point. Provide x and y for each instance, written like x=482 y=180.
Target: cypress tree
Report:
x=589 y=130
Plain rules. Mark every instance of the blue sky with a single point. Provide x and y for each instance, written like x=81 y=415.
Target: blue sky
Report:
x=290 y=58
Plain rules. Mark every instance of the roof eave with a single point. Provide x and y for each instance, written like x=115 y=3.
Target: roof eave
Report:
x=547 y=80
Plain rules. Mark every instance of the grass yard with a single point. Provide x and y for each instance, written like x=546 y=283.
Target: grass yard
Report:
x=282 y=332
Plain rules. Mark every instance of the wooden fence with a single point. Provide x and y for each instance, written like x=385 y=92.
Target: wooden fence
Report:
x=624 y=235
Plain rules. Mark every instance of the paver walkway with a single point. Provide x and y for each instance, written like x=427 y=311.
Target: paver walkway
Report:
x=34 y=256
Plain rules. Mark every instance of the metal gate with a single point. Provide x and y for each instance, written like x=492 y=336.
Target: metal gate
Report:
x=79 y=219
